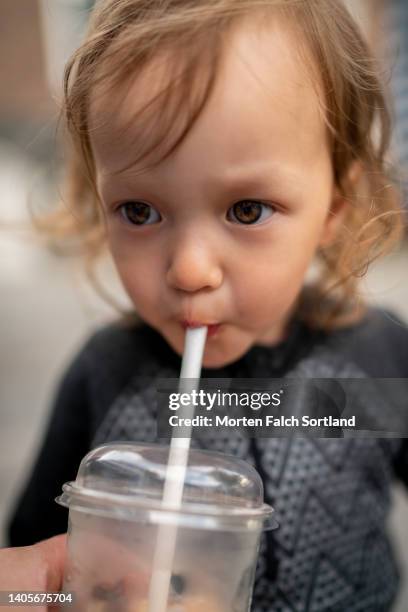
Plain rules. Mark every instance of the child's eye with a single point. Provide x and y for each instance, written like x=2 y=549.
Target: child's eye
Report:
x=139 y=213
x=249 y=212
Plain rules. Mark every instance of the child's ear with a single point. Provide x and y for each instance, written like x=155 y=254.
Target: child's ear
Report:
x=339 y=205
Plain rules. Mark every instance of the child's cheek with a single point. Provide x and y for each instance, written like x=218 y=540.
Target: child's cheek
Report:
x=271 y=289
x=143 y=290
x=139 y=268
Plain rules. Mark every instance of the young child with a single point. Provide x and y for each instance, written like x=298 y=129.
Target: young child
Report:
x=222 y=147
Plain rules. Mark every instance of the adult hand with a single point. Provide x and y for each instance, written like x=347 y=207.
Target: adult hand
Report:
x=33 y=568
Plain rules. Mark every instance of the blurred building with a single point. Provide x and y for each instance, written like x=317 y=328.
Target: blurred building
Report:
x=397 y=19
x=36 y=38
x=24 y=94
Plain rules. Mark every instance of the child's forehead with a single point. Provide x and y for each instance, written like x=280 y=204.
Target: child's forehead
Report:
x=263 y=87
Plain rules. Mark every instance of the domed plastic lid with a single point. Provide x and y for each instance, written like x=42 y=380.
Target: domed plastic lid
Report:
x=126 y=481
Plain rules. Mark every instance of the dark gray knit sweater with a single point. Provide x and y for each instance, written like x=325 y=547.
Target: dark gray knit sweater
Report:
x=331 y=496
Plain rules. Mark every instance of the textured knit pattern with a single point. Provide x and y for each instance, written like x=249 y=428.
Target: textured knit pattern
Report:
x=331 y=498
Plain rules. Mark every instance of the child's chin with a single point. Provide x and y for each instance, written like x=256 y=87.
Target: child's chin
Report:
x=218 y=353
x=215 y=359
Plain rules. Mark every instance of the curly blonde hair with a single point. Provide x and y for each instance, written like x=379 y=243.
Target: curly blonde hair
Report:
x=124 y=35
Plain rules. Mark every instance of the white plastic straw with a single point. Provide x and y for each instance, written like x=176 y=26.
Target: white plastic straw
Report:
x=175 y=475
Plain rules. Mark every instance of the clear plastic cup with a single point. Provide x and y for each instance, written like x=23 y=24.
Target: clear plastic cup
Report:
x=115 y=510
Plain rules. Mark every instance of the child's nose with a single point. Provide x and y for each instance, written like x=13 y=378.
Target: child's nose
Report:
x=194 y=266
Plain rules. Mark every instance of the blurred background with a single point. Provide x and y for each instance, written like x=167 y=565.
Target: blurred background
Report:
x=47 y=306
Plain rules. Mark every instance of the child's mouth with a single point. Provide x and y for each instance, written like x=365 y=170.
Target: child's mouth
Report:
x=212 y=328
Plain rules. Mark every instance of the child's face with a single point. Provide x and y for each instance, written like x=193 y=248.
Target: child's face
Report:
x=223 y=231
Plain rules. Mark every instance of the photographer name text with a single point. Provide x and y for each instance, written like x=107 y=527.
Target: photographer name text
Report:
x=267 y=421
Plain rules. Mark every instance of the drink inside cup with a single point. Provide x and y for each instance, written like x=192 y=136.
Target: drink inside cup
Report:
x=115 y=513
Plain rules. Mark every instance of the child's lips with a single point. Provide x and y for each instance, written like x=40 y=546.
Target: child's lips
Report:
x=212 y=328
